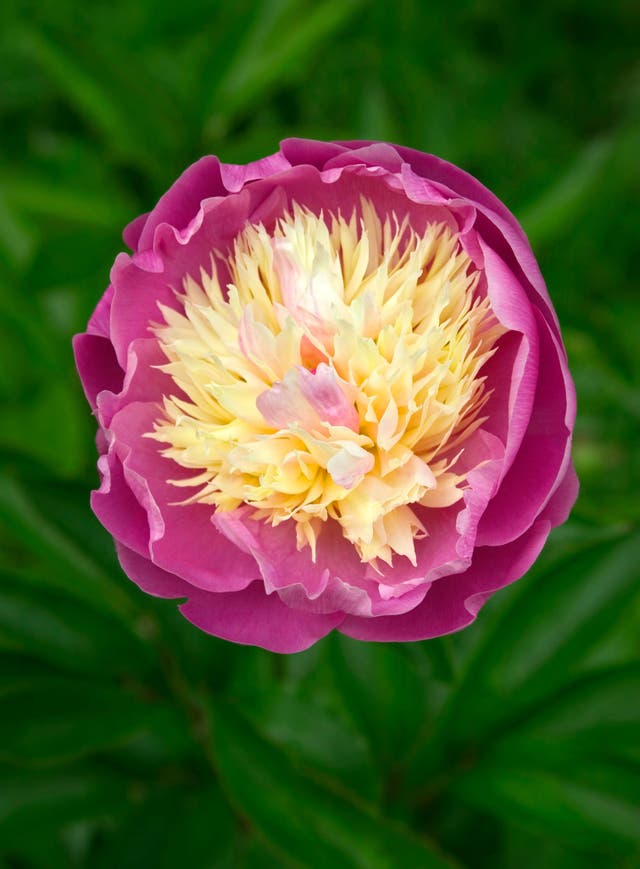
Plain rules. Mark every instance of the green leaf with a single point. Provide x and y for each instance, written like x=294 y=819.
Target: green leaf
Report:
x=258 y=853
x=66 y=633
x=35 y=806
x=190 y=826
x=68 y=566
x=543 y=639
x=309 y=819
x=558 y=209
x=50 y=427
x=592 y=806
x=598 y=715
x=16 y=239
x=54 y=720
x=383 y=692
x=32 y=195
x=320 y=737
x=82 y=87
x=265 y=59
x=531 y=850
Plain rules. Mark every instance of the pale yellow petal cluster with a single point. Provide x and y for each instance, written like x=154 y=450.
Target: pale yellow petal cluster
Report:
x=334 y=378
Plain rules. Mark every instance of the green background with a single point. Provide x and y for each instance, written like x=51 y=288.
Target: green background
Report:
x=128 y=738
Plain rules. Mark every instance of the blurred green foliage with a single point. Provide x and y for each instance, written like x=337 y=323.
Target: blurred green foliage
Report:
x=127 y=738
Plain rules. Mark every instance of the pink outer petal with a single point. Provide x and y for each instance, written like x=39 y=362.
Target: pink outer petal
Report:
x=99 y=322
x=117 y=508
x=250 y=617
x=512 y=308
x=205 y=179
x=563 y=498
x=253 y=617
x=132 y=231
x=149 y=577
x=235 y=176
x=182 y=538
x=484 y=456
x=94 y=354
x=311 y=152
x=337 y=580
x=179 y=204
x=454 y=601
x=543 y=456
x=97 y=366
x=143 y=381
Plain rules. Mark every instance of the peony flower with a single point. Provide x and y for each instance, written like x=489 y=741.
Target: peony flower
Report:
x=332 y=394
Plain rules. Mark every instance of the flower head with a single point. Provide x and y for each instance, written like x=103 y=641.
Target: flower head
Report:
x=331 y=393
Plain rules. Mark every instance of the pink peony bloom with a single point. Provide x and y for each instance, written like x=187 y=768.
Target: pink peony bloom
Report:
x=331 y=393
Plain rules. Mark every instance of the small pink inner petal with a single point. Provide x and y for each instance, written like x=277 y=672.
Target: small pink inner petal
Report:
x=308 y=399
x=328 y=397
x=284 y=405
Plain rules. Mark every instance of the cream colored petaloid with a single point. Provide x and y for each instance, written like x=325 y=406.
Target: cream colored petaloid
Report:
x=336 y=377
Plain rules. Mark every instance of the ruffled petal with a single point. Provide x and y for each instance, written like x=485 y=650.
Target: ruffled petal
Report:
x=97 y=366
x=454 y=601
x=253 y=617
x=182 y=537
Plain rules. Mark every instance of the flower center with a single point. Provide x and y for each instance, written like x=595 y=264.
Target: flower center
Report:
x=335 y=379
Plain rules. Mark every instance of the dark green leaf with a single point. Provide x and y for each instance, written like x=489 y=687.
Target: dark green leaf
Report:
x=309 y=819
x=54 y=720
x=191 y=827
x=559 y=207
x=382 y=690
x=598 y=714
x=69 y=567
x=321 y=738
x=82 y=87
x=36 y=806
x=66 y=633
x=593 y=807
x=544 y=638
x=264 y=59
x=26 y=427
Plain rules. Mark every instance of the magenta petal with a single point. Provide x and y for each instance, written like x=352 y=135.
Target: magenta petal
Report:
x=179 y=204
x=143 y=380
x=132 y=231
x=182 y=538
x=564 y=497
x=97 y=366
x=149 y=577
x=542 y=457
x=250 y=617
x=117 y=508
x=100 y=321
x=454 y=601
x=310 y=152
x=336 y=579
x=235 y=176
x=253 y=617
x=376 y=154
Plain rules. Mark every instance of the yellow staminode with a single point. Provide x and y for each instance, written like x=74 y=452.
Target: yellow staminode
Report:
x=336 y=377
